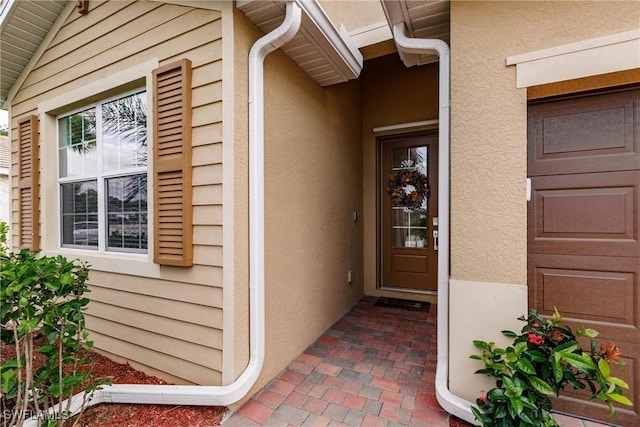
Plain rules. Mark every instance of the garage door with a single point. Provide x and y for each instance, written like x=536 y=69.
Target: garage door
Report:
x=584 y=226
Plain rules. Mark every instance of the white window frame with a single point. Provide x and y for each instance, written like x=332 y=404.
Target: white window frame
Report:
x=139 y=76
x=101 y=177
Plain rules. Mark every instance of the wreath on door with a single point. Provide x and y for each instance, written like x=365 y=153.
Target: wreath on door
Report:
x=408 y=188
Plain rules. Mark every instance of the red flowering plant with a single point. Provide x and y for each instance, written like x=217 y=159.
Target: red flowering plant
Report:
x=545 y=357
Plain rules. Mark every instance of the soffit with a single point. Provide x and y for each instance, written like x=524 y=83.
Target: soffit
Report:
x=424 y=19
x=327 y=55
x=24 y=26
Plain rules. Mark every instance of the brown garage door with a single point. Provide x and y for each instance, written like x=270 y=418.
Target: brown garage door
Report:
x=584 y=226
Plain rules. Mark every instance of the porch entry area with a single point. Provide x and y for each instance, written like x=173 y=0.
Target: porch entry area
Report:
x=375 y=367
x=584 y=226
x=408 y=212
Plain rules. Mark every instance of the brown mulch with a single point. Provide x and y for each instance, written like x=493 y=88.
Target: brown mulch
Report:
x=129 y=415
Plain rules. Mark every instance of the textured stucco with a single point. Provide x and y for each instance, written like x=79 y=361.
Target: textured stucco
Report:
x=245 y=33
x=353 y=14
x=313 y=165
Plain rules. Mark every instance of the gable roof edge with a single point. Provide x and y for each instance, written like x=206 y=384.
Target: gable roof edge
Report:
x=69 y=7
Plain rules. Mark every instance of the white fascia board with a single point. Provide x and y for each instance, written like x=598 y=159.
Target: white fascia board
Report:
x=608 y=54
x=342 y=49
x=371 y=34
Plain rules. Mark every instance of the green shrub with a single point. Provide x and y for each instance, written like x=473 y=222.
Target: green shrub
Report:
x=545 y=357
x=42 y=316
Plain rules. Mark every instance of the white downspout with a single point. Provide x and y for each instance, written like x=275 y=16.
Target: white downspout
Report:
x=228 y=394
x=450 y=402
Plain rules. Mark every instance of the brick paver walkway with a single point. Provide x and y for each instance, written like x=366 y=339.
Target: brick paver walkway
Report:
x=374 y=367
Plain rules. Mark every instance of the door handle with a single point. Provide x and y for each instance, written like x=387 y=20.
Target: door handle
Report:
x=435 y=240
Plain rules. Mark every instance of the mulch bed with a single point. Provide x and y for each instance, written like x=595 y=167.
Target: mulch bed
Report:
x=129 y=415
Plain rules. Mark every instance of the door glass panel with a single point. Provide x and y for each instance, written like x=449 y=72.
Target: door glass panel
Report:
x=409 y=221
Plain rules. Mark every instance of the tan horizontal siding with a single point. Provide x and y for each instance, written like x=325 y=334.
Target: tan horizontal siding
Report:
x=207 y=154
x=210 y=215
x=207 y=72
x=201 y=275
x=207 y=254
x=180 y=330
x=195 y=353
x=207 y=174
x=208 y=195
x=137 y=41
x=170 y=290
x=207 y=113
x=207 y=235
x=202 y=55
x=203 y=135
x=188 y=312
x=173 y=323
x=175 y=366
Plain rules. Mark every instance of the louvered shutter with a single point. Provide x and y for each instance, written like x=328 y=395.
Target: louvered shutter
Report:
x=173 y=212
x=28 y=183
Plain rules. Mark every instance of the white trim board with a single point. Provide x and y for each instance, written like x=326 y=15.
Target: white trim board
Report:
x=602 y=55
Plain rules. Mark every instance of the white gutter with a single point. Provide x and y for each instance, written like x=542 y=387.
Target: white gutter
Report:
x=451 y=403
x=228 y=394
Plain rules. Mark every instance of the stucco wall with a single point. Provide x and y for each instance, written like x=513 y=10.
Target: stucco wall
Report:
x=392 y=94
x=353 y=14
x=165 y=320
x=488 y=157
x=313 y=165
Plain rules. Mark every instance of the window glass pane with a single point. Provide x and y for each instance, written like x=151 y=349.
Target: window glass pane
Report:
x=409 y=219
x=124 y=133
x=127 y=212
x=409 y=227
x=80 y=213
x=77 y=144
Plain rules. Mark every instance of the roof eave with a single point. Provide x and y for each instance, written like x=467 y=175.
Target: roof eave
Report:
x=327 y=55
x=398 y=12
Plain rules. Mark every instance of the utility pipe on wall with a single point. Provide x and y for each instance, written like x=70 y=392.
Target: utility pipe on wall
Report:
x=228 y=394
x=449 y=401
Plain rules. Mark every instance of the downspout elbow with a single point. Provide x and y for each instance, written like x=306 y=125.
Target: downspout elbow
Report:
x=419 y=46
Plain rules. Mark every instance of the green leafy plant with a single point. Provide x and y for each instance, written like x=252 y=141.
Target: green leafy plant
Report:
x=545 y=357
x=42 y=316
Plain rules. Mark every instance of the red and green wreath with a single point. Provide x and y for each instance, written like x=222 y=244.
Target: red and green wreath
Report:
x=408 y=188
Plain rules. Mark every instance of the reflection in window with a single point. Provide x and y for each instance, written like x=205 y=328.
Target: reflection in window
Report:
x=77 y=144
x=124 y=133
x=80 y=213
x=127 y=212
x=102 y=163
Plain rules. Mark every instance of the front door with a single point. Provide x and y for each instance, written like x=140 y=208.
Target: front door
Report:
x=584 y=227
x=409 y=212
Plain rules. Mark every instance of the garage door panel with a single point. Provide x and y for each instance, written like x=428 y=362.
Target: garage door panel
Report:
x=602 y=292
x=586 y=214
x=585 y=134
x=584 y=226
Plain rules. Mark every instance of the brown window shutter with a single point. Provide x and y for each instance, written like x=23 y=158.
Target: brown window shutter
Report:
x=173 y=210
x=28 y=183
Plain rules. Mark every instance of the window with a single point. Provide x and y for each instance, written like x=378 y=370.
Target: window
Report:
x=102 y=176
